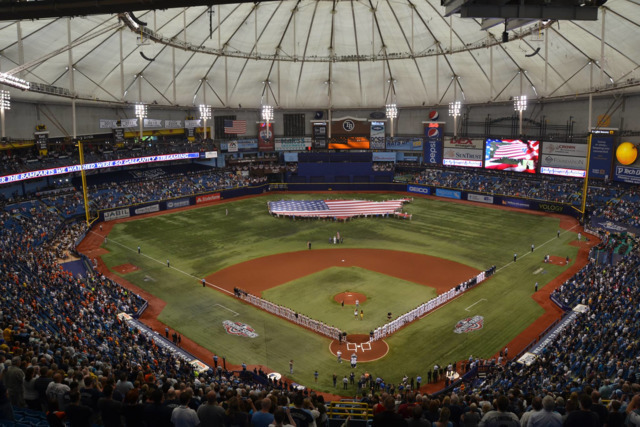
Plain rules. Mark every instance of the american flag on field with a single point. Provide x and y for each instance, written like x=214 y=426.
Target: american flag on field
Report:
x=235 y=126
x=335 y=208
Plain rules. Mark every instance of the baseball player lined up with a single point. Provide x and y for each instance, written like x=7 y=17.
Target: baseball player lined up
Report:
x=354 y=360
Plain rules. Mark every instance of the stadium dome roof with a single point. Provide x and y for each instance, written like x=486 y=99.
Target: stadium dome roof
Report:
x=311 y=54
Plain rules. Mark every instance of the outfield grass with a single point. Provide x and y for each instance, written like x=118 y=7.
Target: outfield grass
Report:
x=313 y=296
x=201 y=241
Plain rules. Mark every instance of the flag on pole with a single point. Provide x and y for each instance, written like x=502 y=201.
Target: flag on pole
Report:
x=235 y=126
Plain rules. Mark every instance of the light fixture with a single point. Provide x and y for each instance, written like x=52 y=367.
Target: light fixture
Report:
x=392 y=111
x=205 y=114
x=454 y=108
x=5 y=100
x=13 y=81
x=520 y=103
x=141 y=111
x=205 y=111
x=267 y=113
x=454 y=111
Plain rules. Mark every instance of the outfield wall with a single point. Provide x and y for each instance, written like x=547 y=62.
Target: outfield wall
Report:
x=447 y=193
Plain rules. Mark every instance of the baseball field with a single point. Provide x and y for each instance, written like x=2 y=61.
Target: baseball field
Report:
x=394 y=264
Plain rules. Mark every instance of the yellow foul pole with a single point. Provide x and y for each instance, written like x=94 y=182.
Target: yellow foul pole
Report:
x=84 y=183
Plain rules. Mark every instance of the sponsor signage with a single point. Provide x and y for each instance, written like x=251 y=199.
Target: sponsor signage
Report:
x=292 y=144
x=118 y=135
x=377 y=136
x=147 y=209
x=627 y=163
x=463 y=163
x=569 y=162
x=404 y=144
x=152 y=123
x=116 y=214
x=479 y=198
x=350 y=126
x=178 y=203
x=516 y=203
x=433 y=143
x=210 y=154
x=239 y=329
x=573 y=173
x=550 y=207
x=173 y=124
x=378 y=156
x=564 y=149
x=42 y=139
x=601 y=156
x=464 y=143
x=265 y=137
x=418 y=189
x=450 y=194
x=469 y=324
x=42 y=173
x=319 y=134
x=232 y=147
x=207 y=198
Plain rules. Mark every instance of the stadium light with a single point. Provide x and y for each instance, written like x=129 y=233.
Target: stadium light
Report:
x=520 y=104
x=9 y=80
x=141 y=114
x=205 y=114
x=392 y=113
x=5 y=104
x=267 y=113
x=454 y=111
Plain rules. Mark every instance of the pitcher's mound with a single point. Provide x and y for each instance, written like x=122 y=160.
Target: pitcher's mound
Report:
x=125 y=268
x=367 y=351
x=350 y=298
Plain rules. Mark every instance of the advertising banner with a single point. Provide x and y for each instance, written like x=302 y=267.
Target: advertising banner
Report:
x=464 y=143
x=319 y=135
x=292 y=144
x=568 y=162
x=207 y=198
x=627 y=163
x=404 y=144
x=42 y=140
x=239 y=145
x=152 y=123
x=383 y=157
x=147 y=209
x=480 y=198
x=564 y=149
x=516 y=203
x=466 y=157
x=434 y=133
x=118 y=135
x=377 y=136
x=116 y=214
x=173 y=124
x=418 y=189
x=450 y=194
x=177 y=203
x=265 y=137
x=601 y=156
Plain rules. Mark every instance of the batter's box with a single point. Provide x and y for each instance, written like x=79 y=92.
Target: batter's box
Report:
x=365 y=346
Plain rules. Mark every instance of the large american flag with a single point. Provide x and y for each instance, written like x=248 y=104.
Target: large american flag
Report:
x=334 y=208
x=235 y=126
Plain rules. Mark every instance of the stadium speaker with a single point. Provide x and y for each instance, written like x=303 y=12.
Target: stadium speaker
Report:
x=505 y=37
x=318 y=115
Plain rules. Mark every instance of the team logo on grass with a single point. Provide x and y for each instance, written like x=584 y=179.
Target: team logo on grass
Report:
x=239 y=328
x=469 y=324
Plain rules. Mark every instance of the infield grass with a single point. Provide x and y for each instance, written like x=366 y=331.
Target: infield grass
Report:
x=201 y=241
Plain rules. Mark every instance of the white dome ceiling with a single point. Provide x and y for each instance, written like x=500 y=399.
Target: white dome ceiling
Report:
x=315 y=53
